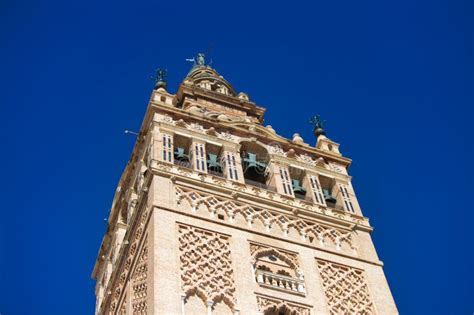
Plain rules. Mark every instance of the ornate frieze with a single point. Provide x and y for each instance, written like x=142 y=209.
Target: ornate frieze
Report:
x=274 y=221
x=196 y=127
x=262 y=193
x=304 y=158
x=167 y=120
x=337 y=168
x=275 y=148
x=227 y=136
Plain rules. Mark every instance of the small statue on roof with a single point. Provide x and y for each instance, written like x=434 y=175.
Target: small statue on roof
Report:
x=161 y=74
x=199 y=60
x=160 y=78
x=317 y=122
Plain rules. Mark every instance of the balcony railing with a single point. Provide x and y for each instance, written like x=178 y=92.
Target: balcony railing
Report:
x=280 y=282
x=183 y=163
x=305 y=197
x=335 y=206
x=215 y=173
x=255 y=183
x=259 y=185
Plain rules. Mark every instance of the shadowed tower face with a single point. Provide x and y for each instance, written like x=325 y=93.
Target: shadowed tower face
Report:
x=217 y=214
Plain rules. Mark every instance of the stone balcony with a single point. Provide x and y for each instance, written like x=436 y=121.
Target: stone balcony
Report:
x=280 y=282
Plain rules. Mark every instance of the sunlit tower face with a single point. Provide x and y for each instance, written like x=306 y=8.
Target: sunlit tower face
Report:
x=216 y=213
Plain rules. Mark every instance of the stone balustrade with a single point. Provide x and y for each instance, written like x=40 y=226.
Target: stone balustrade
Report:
x=280 y=282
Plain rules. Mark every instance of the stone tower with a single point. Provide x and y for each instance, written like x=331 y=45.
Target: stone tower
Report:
x=216 y=213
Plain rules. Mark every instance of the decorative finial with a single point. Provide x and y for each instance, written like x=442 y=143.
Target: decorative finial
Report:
x=160 y=75
x=318 y=125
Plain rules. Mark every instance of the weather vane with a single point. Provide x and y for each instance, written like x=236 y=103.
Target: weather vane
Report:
x=199 y=60
x=160 y=75
x=318 y=125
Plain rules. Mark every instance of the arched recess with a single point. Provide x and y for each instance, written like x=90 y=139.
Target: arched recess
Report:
x=222 y=306
x=195 y=302
x=277 y=269
x=281 y=309
x=266 y=252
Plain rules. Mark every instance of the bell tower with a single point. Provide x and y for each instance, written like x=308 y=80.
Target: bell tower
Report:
x=216 y=213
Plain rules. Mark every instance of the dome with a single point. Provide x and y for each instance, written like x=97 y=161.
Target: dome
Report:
x=206 y=77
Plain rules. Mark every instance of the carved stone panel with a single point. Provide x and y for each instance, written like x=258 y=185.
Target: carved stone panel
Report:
x=346 y=289
x=270 y=221
x=206 y=266
x=139 y=282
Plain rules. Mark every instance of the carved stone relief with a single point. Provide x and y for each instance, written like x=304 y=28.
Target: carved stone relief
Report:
x=206 y=266
x=274 y=222
x=345 y=288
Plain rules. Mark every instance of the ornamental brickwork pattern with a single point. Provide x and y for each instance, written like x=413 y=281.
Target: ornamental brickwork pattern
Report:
x=345 y=288
x=124 y=271
x=139 y=282
x=317 y=234
x=205 y=265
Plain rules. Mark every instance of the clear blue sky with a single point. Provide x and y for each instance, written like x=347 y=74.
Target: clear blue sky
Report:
x=394 y=80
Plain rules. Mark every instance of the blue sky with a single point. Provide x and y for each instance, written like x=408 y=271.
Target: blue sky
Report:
x=393 y=80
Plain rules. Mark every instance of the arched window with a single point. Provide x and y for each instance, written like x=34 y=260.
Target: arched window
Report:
x=277 y=269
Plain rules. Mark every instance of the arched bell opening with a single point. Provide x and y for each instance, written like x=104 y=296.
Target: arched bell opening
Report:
x=254 y=164
x=182 y=155
x=214 y=160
